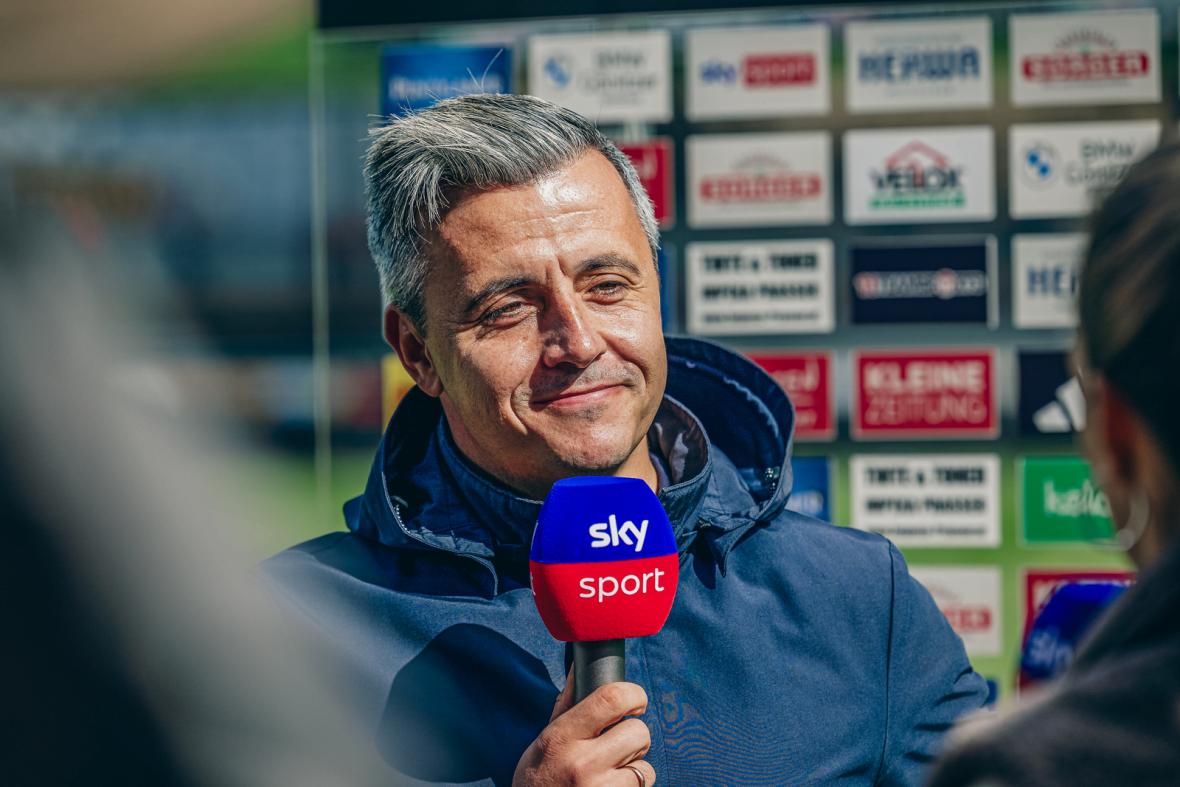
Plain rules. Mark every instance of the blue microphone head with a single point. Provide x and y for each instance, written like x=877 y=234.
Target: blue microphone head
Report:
x=1061 y=625
x=604 y=561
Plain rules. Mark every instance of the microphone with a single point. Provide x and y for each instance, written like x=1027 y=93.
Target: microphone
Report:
x=604 y=567
x=1061 y=625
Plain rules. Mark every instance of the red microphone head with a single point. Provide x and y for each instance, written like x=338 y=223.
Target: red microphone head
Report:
x=604 y=562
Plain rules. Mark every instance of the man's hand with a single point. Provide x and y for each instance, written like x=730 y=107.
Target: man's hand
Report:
x=573 y=749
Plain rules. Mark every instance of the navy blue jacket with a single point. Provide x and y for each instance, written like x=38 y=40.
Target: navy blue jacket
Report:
x=796 y=652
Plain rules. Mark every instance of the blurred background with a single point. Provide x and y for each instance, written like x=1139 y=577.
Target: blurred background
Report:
x=202 y=162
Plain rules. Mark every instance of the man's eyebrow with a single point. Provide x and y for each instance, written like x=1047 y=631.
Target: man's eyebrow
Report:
x=495 y=287
x=608 y=261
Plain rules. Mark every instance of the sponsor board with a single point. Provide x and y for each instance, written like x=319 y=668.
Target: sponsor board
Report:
x=1039 y=585
x=969 y=597
x=757 y=72
x=653 y=164
x=414 y=77
x=1045 y=274
x=811 y=487
x=936 y=281
x=1064 y=169
x=1085 y=58
x=898 y=65
x=1060 y=502
x=919 y=175
x=915 y=394
x=395 y=384
x=609 y=78
x=928 y=500
x=760 y=287
x=1051 y=400
x=807 y=379
x=743 y=180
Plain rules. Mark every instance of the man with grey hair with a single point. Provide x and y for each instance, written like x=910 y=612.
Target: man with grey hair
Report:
x=517 y=256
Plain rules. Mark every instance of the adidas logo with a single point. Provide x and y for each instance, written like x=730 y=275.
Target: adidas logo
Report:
x=1066 y=413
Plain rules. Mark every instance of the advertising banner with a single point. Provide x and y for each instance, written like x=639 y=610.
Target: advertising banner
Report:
x=609 y=78
x=1045 y=272
x=913 y=394
x=928 y=500
x=760 y=287
x=925 y=64
x=931 y=281
x=653 y=162
x=915 y=175
x=1063 y=169
x=969 y=597
x=807 y=379
x=1051 y=400
x=1060 y=503
x=811 y=487
x=414 y=77
x=744 y=180
x=1085 y=58
x=753 y=72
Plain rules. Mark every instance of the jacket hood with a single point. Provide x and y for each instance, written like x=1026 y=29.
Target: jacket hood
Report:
x=725 y=429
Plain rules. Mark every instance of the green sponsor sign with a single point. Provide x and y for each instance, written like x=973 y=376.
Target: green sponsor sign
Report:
x=1060 y=502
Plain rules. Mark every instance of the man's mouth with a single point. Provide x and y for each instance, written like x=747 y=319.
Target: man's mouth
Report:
x=579 y=396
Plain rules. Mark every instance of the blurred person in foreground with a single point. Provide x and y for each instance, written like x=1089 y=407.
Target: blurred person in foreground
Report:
x=517 y=252
x=1114 y=717
x=139 y=647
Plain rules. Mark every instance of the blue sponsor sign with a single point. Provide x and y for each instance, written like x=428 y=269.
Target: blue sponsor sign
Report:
x=414 y=77
x=947 y=282
x=811 y=487
x=1051 y=399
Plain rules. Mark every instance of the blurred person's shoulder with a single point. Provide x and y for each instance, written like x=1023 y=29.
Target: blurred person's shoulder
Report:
x=1115 y=723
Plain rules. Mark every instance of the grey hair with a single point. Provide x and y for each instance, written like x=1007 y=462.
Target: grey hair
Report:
x=417 y=163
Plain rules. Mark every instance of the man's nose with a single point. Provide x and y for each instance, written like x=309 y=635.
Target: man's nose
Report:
x=569 y=332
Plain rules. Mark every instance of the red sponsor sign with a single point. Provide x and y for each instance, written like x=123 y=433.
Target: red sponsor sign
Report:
x=1039 y=585
x=653 y=162
x=967 y=619
x=761 y=187
x=1084 y=66
x=807 y=379
x=924 y=394
x=775 y=70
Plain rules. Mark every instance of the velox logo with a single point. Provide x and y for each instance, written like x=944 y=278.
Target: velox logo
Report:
x=610 y=533
x=917 y=175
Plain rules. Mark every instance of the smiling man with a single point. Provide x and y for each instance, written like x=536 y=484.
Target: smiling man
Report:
x=517 y=254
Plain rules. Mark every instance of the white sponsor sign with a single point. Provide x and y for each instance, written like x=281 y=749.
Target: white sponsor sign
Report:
x=928 y=500
x=1086 y=58
x=1045 y=271
x=760 y=287
x=757 y=72
x=944 y=64
x=919 y=175
x=745 y=180
x=1063 y=169
x=611 y=78
x=970 y=599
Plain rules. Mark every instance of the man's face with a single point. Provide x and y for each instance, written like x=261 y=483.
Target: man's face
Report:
x=543 y=328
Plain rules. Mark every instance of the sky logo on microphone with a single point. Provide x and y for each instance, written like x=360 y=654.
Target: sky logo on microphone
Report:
x=610 y=533
x=613 y=578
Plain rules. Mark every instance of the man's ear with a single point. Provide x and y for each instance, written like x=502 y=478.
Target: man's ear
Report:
x=410 y=347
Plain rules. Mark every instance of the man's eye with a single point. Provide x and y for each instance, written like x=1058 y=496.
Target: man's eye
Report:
x=608 y=288
x=508 y=310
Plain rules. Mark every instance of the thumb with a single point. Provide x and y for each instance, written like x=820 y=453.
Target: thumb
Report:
x=565 y=700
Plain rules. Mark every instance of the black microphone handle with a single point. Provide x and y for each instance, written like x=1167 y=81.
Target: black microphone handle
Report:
x=597 y=664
